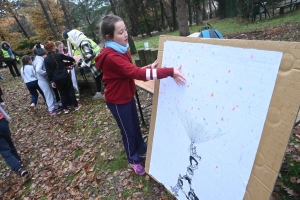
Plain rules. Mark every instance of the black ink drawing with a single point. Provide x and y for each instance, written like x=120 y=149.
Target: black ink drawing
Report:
x=197 y=134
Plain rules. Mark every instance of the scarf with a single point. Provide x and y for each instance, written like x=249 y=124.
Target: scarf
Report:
x=117 y=47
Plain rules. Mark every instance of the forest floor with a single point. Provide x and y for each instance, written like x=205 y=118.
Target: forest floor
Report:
x=81 y=156
x=288 y=32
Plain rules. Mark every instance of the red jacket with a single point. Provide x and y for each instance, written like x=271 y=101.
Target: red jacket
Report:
x=119 y=73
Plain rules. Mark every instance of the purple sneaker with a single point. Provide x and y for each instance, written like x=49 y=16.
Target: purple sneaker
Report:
x=138 y=168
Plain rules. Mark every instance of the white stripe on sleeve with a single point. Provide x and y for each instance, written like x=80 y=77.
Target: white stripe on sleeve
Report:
x=148 y=74
x=154 y=74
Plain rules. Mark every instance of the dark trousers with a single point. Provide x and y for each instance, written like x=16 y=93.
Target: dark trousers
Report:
x=98 y=81
x=128 y=121
x=12 y=64
x=33 y=87
x=1 y=93
x=66 y=91
x=56 y=94
x=7 y=148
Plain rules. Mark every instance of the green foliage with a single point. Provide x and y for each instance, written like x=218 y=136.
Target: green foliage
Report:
x=228 y=26
x=24 y=46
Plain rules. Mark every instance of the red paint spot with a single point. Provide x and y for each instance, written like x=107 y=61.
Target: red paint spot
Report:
x=233 y=109
x=229 y=71
x=217 y=167
x=212 y=95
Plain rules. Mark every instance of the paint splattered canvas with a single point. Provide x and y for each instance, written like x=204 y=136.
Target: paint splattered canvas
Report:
x=207 y=131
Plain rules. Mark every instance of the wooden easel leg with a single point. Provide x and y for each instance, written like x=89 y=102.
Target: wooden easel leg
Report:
x=140 y=108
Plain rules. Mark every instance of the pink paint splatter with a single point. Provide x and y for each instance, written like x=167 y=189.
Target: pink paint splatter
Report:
x=251 y=56
x=233 y=109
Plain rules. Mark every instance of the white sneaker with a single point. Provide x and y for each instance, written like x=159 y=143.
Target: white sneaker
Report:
x=98 y=96
x=32 y=107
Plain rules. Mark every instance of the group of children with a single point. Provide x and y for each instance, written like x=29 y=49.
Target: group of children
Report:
x=119 y=72
x=48 y=74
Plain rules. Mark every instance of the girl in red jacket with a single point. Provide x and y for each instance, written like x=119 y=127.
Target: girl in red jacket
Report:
x=118 y=77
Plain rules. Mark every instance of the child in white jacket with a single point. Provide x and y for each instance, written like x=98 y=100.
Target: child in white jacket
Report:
x=28 y=75
x=43 y=81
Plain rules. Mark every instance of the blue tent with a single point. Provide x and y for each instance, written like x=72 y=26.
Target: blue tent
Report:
x=210 y=33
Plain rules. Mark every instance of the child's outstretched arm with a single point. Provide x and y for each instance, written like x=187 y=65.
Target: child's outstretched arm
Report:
x=178 y=77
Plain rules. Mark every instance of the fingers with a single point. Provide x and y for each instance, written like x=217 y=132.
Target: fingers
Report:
x=178 y=77
x=179 y=80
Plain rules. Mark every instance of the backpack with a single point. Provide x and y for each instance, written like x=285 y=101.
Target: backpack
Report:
x=210 y=33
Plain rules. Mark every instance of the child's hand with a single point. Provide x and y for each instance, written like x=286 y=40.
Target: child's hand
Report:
x=53 y=85
x=178 y=77
x=154 y=64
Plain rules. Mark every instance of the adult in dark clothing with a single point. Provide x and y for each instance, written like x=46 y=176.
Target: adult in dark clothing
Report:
x=9 y=58
x=59 y=77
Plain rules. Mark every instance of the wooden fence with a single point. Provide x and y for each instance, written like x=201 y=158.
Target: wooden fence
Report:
x=146 y=57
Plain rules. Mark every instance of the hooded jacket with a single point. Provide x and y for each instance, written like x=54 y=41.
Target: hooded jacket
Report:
x=119 y=73
x=57 y=71
x=6 y=52
x=79 y=40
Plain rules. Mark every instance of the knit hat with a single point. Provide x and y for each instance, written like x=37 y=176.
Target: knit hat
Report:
x=39 y=50
x=65 y=34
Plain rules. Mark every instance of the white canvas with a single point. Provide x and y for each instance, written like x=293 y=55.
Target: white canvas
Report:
x=207 y=131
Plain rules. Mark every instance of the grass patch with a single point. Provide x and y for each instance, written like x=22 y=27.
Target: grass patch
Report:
x=78 y=153
x=228 y=26
x=117 y=163
x=28 y=186
x=71 y=177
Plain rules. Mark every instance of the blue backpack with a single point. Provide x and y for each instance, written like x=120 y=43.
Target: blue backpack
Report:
x=210 y=33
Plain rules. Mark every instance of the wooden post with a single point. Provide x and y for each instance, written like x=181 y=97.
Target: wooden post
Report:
x=137 y=62
x=281 y=10
x=142 y=57
x=154 y=54
x=148 y=56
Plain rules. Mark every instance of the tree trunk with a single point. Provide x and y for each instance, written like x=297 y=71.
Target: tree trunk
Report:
x=163 y=14
x=203 y=10
x=216 y=11
x=130 y=40
x=66 y=14
x=133 y=16
x=173 y=6
x=23 y=30
x=182 y=18
x=210 y=11
x=158 y=27
x=92 y=32
x=222 y=9
x=199 y=20
x=113 y=9
x=144 y=15
x=190 y=13
x=17 y=20
x=48 y=20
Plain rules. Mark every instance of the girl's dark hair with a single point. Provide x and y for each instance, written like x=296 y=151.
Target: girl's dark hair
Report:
x=25 y=60
x=107 y=25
